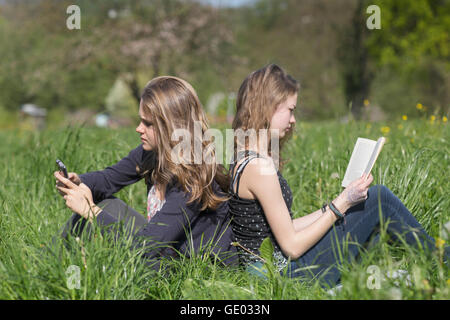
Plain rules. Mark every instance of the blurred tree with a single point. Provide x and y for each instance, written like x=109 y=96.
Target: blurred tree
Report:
x=38 y=64
x=48 y=64
x=301 y=36
x=354 y=58
x=160 y=37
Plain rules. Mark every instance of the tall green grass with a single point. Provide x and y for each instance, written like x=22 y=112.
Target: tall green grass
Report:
x=413 y=164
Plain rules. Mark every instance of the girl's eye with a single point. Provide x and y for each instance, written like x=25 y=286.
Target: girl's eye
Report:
x=146 y=123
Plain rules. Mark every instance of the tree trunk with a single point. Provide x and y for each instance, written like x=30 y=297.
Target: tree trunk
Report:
x=357 y=76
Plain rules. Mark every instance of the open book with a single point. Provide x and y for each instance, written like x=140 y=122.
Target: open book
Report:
x=364 y=155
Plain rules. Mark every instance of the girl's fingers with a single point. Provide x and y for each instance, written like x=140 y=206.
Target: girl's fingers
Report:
x=74 y=178
x=67 y=182
x=62 y=189
x=369 y=180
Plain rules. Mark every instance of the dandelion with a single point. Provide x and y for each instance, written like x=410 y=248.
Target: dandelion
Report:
x=334 y=175
x=385 y=130
x=419 y=106
x=440 y=243
x=433 y=118
x=444 y=119
x=366 y=102
x=448 y=282
x=405 y=117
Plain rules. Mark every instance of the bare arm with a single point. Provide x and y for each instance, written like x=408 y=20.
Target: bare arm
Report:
x=303 y=222
x=264 y=185
x=295 y=237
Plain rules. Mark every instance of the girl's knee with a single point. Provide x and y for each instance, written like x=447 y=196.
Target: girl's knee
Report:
x=379 y=191
x=378 y=195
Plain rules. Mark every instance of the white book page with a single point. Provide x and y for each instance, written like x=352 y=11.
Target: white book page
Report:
x=361 y=155
x=375 y=153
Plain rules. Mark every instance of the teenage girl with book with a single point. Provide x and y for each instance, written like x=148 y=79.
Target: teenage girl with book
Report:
x=262 y=199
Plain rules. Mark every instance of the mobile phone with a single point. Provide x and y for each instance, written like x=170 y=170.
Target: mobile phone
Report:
x=62 y=168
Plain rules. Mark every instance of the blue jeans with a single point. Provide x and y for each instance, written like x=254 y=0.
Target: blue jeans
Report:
x=361 y=225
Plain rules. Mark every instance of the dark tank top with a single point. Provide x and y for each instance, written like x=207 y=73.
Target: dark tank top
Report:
x=249 y=223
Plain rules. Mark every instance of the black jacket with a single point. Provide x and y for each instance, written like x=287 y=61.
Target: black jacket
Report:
x=177 y=225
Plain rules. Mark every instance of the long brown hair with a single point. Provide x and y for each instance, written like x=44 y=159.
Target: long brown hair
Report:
x=258 y=98
x=172 y=104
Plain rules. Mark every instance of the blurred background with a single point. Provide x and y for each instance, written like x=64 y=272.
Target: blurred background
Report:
x=52 y=76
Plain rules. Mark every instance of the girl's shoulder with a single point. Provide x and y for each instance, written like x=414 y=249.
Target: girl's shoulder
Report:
x=261 y=166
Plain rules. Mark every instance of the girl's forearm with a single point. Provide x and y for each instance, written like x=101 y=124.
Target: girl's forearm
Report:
x=305 y=221
x=315 y=230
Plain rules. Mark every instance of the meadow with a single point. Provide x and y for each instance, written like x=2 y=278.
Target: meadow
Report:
x=414 y=164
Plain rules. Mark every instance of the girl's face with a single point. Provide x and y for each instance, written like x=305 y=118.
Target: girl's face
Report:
x=146 y=130
x=284 y=118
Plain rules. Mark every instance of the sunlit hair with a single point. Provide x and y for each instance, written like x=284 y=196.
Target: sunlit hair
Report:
x=171 y=103
x=258 y=98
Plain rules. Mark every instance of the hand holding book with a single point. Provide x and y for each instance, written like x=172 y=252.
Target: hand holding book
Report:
x=363 y=158
x=357 y=177
x=356 y=191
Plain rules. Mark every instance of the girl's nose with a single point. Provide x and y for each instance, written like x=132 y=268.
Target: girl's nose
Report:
x=139 y=128
x=292 y=119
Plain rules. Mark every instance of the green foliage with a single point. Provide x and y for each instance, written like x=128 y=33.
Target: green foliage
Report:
x=266 y=249
x=411 y=31
x=412 y=47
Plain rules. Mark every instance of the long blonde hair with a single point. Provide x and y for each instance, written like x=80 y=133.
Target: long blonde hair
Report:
x=171 y=103
x=258 y=98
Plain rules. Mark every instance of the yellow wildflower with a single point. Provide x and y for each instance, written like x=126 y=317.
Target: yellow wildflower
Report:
x=433 y=117
x=385 y=130
x=419 y=106
x=366 y=102
x=444 y=119
x=405 y=117
x=440 y=243
x=448 y=282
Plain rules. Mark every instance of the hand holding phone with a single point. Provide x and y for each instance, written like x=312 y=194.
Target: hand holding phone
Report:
x=72 y=176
